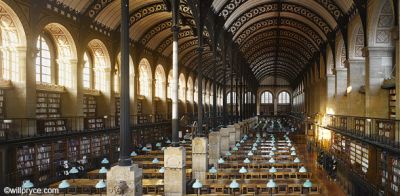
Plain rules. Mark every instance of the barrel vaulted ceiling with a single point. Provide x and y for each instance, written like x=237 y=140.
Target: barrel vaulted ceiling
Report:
x=278 y=38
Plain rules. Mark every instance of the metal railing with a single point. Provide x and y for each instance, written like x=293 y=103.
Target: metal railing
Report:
x=376 y=130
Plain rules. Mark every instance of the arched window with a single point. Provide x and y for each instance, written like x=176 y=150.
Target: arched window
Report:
x=267 y=98
x=159 y=81
x=87 y=71
x=182 y=87
x=117 y=73
x=195 y=94
x=99 y=64
x=228 y=98
x=43 y=61
x=144 y=78
x=189 y=93
x=12 y=37
x=247 y=97
x=169 y=88
x=284 y=98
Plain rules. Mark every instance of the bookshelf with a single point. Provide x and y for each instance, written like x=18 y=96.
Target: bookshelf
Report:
x=96 y=146
x=48 y=110
x=73 y=152
x=59 y=156
x=383 y=167
x=94 y=123
x=385 y=129
x=360 y=125
x=89 y=106
x=392 y=103
x=48 y=105
x=359 y=157
x=343 y=122
x=43 y=162
x=2 y=104
x=25 y=161
x=395 y=184
x=117 y=110
x=105 y=144
x=4 y=129
x=84 y=147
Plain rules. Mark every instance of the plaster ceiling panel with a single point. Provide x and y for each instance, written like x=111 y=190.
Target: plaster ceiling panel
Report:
x=77 y=5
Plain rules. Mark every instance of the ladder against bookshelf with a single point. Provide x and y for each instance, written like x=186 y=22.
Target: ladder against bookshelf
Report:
x=392 y=103
x=385 y=129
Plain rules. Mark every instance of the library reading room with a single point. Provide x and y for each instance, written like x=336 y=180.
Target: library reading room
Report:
x=199 y=97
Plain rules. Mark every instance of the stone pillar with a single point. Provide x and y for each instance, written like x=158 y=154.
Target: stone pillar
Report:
x=356 y=79
x=238 y=131
x=124 y=180
x=224 y=140
x=200 y=158
x=214 y=147
x=341 y=87
x=232 y=135
x=378 y=65
x=175 y=171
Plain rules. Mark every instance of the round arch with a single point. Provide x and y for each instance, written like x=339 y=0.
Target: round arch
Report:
x=182 y=87
x=159 y=76
x=144 y=78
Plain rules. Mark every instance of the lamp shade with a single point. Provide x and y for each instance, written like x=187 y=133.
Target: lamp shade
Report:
x=272 y=170
x=155 y=161
x=293 y=153
x=183 y=142
x=242 y=141
x=197 y=184
x=254 y=148
x=145 y=149
x=105 y=161
x=228 y=154
x=255 y=144
x=235 y=148
x=133 y=154
x=250 y=153
x=271 y=183
x=292 y=148
x=103 y=170
x=161 y=170
x=73 y=170
x=158 y=144
x=168 y=141
x=273 y=148
x=213 y=170
x=243 y=170
x=271 y=160
x=237 y=144
x=63 y=185
x=247 y=160
x=296 y=160
x=271 y=153
x=101 y=184
x=307 y=184
x=234 y=185
x=221 y=160
x=27 y=184
x=302 y=169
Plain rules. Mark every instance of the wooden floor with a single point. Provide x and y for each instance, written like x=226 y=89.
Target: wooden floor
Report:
x=328 y=187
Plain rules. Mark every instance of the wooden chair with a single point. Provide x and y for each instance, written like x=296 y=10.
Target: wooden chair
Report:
x=249 y=189
x=282 y=189
x=217 y=189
